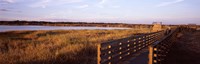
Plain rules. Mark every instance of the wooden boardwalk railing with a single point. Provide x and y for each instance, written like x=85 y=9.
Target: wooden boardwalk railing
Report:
x=159 y=50
x=114 y=51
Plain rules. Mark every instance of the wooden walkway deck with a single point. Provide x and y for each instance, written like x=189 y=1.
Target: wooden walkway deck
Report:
x=140 y=58
x=152 y=48
x=186 y=50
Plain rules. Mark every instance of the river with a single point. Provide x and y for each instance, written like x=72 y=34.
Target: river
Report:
x=30 y=27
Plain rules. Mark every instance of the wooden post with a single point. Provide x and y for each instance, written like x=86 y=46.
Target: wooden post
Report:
x=99 y=54
x=150 y=55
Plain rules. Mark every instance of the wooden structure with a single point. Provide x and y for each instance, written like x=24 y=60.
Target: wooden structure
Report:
x=159 y=44
x=114 y=51
x=159 y=50
x=193 y=26
x=157 y=26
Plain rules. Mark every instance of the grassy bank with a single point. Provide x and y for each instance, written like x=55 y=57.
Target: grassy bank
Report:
x=57 y=46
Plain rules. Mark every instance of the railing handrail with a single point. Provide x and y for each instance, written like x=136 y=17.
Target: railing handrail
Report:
x=114 y=51
x=156 y=43
x=159 y=50
x=135 y=36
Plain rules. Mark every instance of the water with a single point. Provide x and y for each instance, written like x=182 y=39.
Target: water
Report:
x=13 y=28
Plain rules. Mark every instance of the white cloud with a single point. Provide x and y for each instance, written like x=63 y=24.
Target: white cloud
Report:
x=106 y=3
x=83 y=6
x=115 y=6
x=169 y=3
x=42 y=3
x=103 y=1
x=45 y=3
x=7 y=1
x=100 y=6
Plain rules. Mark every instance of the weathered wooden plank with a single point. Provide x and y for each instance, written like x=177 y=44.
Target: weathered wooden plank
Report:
x=111 y=52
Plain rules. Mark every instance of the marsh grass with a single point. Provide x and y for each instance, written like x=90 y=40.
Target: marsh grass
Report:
x=56 y=46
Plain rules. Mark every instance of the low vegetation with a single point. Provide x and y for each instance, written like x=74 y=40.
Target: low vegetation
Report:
x=56 y=46
x=93 y=24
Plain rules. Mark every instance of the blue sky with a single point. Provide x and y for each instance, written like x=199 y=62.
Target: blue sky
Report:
x=116 y=11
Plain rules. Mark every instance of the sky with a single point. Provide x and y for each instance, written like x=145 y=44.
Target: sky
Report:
x=110 y=11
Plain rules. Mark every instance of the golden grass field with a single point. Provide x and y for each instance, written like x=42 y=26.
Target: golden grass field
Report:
x=56 y=46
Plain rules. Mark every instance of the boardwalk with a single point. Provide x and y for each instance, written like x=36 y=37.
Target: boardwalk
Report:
x=186 y=49
x=140 y=58
x=175 y=46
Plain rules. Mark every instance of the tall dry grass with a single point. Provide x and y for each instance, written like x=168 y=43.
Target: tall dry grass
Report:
x=56 y=47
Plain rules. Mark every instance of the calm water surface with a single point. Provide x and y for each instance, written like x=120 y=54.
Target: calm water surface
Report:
x=13 y=28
